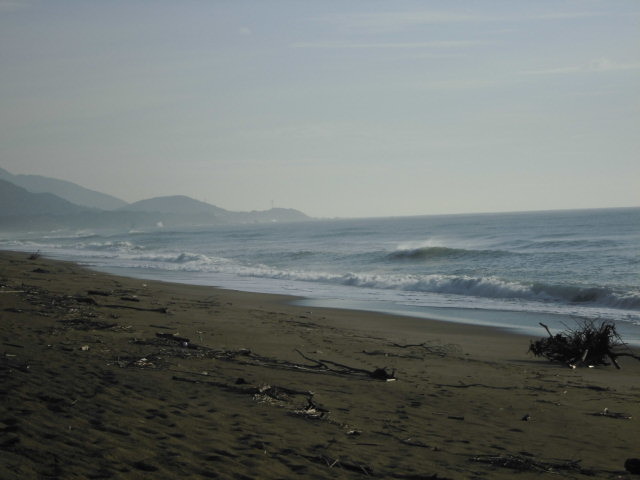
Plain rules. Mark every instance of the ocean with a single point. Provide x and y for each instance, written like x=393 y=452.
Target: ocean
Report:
x=510 y=270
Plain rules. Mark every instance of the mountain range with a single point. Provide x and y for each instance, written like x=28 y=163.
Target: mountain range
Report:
x=39 y=202
x=67 y=190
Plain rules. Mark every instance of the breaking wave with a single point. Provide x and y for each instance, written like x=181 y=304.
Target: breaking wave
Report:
x=533 y=262
x=437 y=253
x=110 y=246
x=485 y=287
x=465 y=285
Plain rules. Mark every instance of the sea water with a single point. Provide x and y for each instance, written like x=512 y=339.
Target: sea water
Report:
x=511 y=270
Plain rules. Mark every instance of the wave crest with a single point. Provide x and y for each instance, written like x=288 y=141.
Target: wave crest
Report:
x=482 y=287
x=436 y=253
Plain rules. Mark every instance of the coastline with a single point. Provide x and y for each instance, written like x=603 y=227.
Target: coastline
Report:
x=94 y=386
x=516 y=322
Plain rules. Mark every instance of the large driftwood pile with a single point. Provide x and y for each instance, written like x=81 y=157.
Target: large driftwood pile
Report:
x=587 y=344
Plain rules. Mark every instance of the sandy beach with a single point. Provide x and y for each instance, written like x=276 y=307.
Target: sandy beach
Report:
x=112 y=377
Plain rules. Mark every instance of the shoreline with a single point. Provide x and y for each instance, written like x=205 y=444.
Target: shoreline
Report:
x=516 y=322
x=385 y=321
x=518 y=317
x=116 y=377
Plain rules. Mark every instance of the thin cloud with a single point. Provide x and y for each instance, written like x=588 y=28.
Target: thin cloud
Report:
x=391 y=21
x=401 y=19
x=409 y=45
x=594 y=66
x=13 y=5
x=558 y=16
x=459 y=84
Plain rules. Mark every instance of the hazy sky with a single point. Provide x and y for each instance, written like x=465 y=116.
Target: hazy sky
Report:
x=337 y=108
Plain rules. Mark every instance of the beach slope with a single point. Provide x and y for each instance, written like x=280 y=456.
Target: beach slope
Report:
x=112 y=377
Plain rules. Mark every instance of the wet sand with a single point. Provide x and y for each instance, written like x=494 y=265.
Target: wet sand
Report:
x=112 y=377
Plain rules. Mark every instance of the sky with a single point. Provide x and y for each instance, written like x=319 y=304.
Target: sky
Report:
x=337 y=108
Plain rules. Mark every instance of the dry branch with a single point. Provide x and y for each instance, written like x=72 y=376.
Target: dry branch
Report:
x=609 y=414
x=170 y=345
x=270 y=394
x=440 y=350
x=587 y=344
x=341 y=369
x=131 y=307
x=525 y=464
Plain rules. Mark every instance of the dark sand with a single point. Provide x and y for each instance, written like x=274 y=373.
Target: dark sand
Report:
x=89 y=389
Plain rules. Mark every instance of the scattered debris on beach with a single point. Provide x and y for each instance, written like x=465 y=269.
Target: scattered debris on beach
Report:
x=529 y=464
x=174 y=345
x=417 y=350
x=176 y=383
x=275 y=395
x=589 y=344
x=632 y=465
x=330 y=366
x=609 y=414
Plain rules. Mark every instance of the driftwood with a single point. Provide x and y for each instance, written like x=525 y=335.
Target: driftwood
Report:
x=102 y=293
x=49 y=304
x=524 y=464
x=174 y=337
x=131 y=307
x=271 y=394
x=416 y=351
x=434 y=349
x=607 y=413
x=382 y=353
x=171 y=345
x=87 y=324
x=588 y=344
x=87 y=300
x=632 y=465
x=339 y=368
x=275 y=392
x=471 y=385
x=343 y=463
x=130 y=298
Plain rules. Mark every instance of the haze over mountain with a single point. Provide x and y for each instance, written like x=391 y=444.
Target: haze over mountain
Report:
x=199 y=212
x=15 y=200
x=178 y=204
x=21 y=208
x=64 y=189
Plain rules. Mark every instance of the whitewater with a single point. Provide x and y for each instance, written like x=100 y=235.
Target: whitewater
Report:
x=511 y=270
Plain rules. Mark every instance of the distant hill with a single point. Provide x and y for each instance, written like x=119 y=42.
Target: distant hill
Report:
x=178 y=204
x=22 y=209
x=273 y=215
x=199 y=212
x=63 y=189
x=18 y=201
